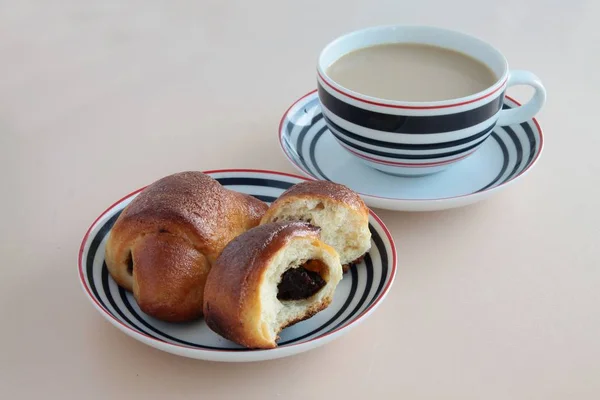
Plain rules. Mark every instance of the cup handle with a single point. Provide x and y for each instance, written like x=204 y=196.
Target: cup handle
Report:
x=528 y=110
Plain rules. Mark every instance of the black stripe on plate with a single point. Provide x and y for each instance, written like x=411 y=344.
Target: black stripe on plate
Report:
x=89 y=262
x=532 y=142
x=291 y=124
x=397 y=156
x=125 y=300
x=312 y=104
x=504 y=162
x=300 y=141
x=499 y=175
x=254 y=182
x=532 y=150
x=341 y=311
x=312 y=149
x=406 y=146
x=363 y=298
x=530 y=135
x=287 y=138
x=106 y=290
x=519 y=151
x=384 y=261
x=518 y=148
x=410 y=124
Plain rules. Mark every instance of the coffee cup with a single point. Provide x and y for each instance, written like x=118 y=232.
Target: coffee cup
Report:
x=393 y=132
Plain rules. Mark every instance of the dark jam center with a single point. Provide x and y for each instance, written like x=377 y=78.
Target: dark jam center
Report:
x=299 y=283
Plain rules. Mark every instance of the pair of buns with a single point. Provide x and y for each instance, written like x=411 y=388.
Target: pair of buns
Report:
x=186 y=246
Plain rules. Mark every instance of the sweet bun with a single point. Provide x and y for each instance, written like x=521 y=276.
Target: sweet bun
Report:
x=268 y=278
x=164 y=242
x=340 y=213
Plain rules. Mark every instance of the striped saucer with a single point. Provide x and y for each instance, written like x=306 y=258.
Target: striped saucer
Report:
x=507 y=155
x=359 y=293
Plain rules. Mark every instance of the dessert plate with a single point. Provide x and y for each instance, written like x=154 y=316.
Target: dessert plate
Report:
x=359 y=293
x=505 y=156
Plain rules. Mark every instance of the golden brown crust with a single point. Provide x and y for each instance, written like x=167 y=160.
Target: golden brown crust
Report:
x=169 y=277
x=324 y=190
x=192 y=207
x=232 y=287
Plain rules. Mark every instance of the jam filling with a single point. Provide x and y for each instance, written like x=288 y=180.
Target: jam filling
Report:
x=299 y=283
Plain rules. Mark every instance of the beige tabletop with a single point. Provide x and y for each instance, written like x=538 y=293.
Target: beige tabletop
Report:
x=500 y=300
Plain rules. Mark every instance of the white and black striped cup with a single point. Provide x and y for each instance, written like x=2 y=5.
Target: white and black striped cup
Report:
x=419 y=138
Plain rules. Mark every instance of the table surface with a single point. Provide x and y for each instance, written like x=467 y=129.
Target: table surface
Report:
x=499 y=300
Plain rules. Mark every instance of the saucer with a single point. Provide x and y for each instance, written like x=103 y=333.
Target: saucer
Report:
x=360 y=292
x=505 y=157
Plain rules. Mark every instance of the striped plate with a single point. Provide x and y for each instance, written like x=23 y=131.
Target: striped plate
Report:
x=504 y=157
x=359 y=293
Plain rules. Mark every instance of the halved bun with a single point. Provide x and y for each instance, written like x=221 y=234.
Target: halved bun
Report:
x=340 y=213
x=268 y=278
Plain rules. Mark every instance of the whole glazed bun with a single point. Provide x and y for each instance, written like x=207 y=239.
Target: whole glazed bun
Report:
x=267 y=279
x=164 y=242
x=340 y=213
